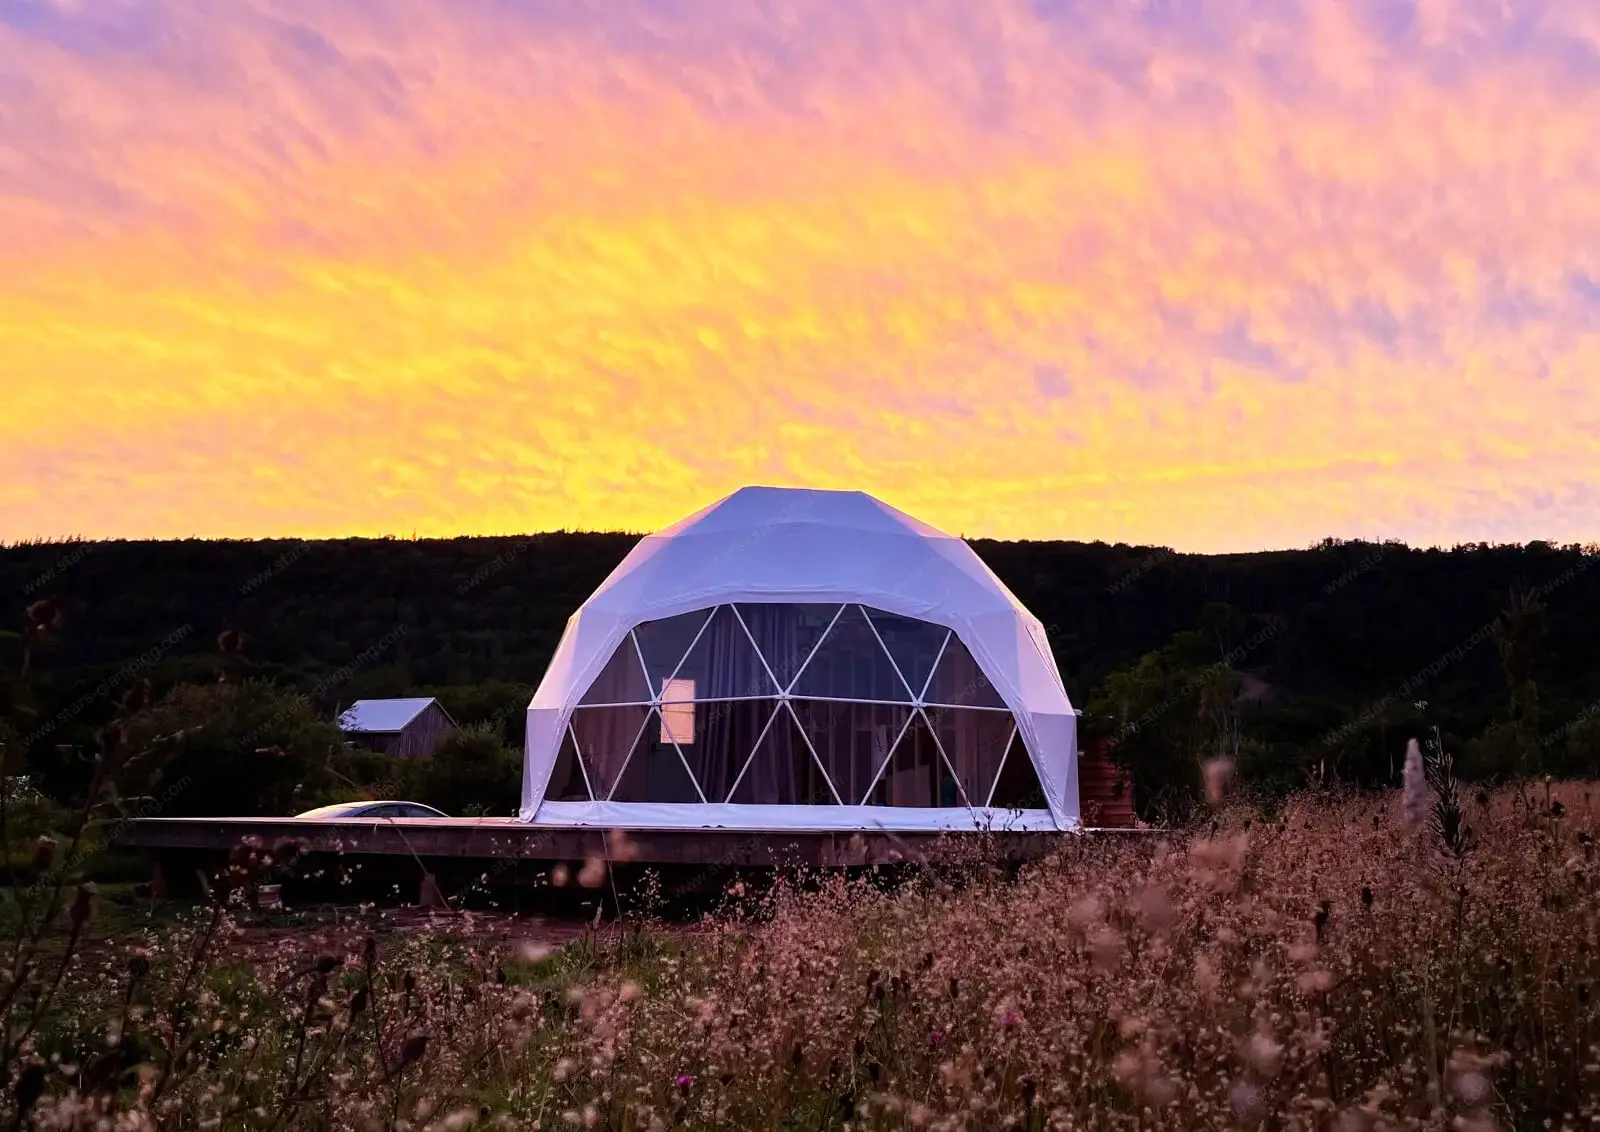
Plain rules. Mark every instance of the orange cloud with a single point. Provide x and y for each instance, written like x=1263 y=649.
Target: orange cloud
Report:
x=1023 y=269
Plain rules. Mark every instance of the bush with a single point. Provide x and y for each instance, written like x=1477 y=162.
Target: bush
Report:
x=470 y=773
x=1581 y=756
x=248 y=748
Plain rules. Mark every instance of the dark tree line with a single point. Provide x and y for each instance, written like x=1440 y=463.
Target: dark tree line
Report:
x=1309 y=665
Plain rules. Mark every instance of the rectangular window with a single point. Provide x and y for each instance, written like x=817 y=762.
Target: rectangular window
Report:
x=677 y=712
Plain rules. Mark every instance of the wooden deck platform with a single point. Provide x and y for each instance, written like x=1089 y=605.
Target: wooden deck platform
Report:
x=1104 y=790
x=501 y=862
x=499 y=839
x=397 y=853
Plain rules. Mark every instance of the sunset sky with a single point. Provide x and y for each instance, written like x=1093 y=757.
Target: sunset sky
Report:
x=1209 y=275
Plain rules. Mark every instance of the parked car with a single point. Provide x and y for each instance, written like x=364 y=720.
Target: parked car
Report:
x=379 y=809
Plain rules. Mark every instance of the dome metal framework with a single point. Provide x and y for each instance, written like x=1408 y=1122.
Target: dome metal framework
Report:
x=794 y=704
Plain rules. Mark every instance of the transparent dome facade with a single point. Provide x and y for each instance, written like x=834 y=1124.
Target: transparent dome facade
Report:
x=790 y=659
x=788 y=704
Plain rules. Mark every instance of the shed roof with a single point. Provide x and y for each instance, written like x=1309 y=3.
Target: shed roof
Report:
x=383 y=715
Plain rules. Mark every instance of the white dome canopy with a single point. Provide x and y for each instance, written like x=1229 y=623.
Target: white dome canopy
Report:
x=785 y=647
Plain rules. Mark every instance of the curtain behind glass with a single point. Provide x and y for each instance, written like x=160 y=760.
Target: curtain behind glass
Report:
x=606 y=737
x=781 y=773
x=975 y=743
x=915 y=775
x=852 y=740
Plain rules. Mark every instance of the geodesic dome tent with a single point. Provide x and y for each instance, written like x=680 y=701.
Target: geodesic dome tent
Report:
x=791 y=659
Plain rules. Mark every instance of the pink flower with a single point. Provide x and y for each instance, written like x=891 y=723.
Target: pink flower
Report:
x=936 y=1037
x=685 y=1080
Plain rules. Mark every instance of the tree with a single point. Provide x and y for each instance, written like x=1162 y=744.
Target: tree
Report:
x=1159 y=718
x=1517 y=632
x=1361 y=631
x=499 y=704
x=248 y=748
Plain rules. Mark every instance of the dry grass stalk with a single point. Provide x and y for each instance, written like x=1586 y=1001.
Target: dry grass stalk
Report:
x=1295 y=971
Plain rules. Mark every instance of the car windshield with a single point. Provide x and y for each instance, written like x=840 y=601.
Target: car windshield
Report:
x=373 y=810
x=329 y=811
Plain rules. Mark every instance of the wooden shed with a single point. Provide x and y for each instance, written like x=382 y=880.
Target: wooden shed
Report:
x=1105 y=790
x=407 y=728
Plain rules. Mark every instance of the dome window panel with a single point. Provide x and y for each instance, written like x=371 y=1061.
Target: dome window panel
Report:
x=605 y=737
x=622 y=680
x=958 y=680
x=663 y=644
x=916 y=773
x=852 y=741
x=567 y=780
x=722 y=665
x=724 y=734
x=1018 y=786
x=851 y=664
x=655 y=771
x=781 y=770
x=914 y=646
x=786 y=634
x=974 y=743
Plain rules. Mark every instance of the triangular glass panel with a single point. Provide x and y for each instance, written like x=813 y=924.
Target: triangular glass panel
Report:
x=913 y=644
x=786 y=633
x=974 y=744
x=716 y=738
x=723 y=665
x=959 y=682
x=851 y=740
x=655 y=771
x=664 y=643
x=916 y=774
x=1018 y=786
x=850 y=664
x=621 y=681
x=566 y=777
x=606 y=736
x=781 y=771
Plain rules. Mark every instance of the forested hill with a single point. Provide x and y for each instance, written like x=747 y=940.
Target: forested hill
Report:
x=1321 y=634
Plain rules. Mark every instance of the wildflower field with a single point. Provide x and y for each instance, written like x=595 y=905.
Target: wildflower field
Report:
x=1342 y=962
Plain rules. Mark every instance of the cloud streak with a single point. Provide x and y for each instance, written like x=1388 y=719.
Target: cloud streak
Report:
x=1092 y=271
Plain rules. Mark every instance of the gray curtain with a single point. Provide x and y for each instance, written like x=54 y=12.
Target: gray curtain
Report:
x=605 y=737
x=729 y=675
x=776 y=631
x=776 y=772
